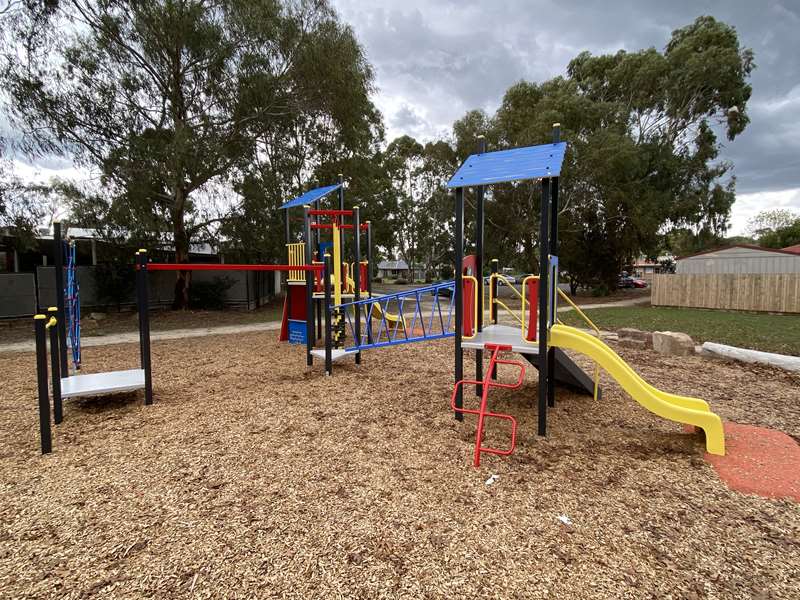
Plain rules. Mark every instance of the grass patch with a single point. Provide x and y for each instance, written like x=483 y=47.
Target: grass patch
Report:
x=758 y=331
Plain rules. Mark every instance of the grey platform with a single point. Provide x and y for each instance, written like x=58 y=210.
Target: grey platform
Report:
x=336 y=353
x=567 y=373
x=96 y=384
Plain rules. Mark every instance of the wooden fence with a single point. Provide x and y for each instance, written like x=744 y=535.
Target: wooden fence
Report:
x=768 y=293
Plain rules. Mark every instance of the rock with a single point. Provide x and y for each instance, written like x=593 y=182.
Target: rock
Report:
x=673 y=343
x=97 y=316
x=635 y=338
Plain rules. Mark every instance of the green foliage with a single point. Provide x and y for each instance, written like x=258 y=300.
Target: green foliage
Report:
x=776 y=228
x=210 y=295
x=643 y=156
x=176 y=102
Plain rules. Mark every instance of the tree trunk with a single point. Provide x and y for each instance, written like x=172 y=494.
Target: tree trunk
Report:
x=184 y=278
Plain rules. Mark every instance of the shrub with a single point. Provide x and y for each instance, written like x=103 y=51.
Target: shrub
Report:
x=400 y=282
x=600 y=290
x=210 y=295
x=114 y=282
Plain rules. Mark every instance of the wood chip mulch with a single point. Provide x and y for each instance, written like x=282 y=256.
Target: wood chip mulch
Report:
x=250 y=477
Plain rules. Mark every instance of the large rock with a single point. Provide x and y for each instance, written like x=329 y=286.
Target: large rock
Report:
x=635 y=338
x=98 y=316
x=673 y=343
x=790 y=363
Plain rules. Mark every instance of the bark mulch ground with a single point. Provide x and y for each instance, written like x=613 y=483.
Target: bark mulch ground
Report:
x=250 y=477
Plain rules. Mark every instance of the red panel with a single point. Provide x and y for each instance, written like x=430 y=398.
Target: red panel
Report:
x=532 y=297
x=469 y=307
x=297 y=303
x=364 y=276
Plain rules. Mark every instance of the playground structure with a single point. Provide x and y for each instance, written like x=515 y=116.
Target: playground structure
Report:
x=541 y=338
x=323 y=288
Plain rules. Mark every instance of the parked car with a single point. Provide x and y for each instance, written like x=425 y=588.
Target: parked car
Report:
x=631 y=282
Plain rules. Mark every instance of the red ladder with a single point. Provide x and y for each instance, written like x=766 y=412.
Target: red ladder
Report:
x=482 y=413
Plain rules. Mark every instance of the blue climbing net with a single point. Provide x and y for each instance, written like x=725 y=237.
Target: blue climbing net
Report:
x=72 y=305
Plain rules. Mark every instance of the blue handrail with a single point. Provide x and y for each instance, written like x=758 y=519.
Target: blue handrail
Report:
x=401 y=332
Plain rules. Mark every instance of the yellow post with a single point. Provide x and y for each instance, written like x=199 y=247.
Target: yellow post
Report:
x=337 y=264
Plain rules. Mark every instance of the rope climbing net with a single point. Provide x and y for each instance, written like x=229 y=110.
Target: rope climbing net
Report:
x=72 y=305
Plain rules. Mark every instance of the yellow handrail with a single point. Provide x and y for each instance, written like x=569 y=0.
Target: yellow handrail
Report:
x=493 y=300
x=596 y=330
x=474 y=307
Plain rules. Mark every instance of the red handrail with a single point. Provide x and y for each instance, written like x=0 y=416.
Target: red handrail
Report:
x=229 y=267
x=482 y=413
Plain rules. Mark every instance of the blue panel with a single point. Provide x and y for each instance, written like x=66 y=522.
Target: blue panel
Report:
x=533 y=162
x=312 y=196
x=297 y=332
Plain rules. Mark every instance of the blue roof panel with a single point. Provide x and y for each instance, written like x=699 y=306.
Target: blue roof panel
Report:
x=532 y=162
x=312 y=196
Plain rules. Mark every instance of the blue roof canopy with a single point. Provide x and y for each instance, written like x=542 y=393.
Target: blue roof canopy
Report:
x=312 y=196
x=532 y=162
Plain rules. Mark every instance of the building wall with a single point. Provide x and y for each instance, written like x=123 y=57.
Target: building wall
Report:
x=738 y=261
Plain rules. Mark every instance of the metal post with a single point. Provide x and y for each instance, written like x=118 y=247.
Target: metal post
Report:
x=144 y=324
x=493 y=307
x=551 y=352
x=357 y=279
x=327 y=308
x=369 y=278
x=459 y=291
x=341 y=207
x=62 y=323
x=544 y=253
x=309 y=287
x=479 y=222
x=39 y=323
x=55 y=370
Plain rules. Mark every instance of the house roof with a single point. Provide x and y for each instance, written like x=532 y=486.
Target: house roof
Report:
x=748 y=246
x=399 y=265
x=312 y=196
x=517 y=164
x=793 y=249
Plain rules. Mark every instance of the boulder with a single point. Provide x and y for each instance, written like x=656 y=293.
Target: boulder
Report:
x=97 y=316
x=635 y=338
x=673 y=343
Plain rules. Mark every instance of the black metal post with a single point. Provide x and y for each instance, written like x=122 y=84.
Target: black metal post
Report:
x=357 y=279
x=493 y=307
x=479 y=222
x=58 y=252
x=544 y=253
x=309 y=287
x=369 y=278
x=551 y=352
x=144 y=324
x=55 y=370
x=327 y=307
x=459 y=299
x=39 y=323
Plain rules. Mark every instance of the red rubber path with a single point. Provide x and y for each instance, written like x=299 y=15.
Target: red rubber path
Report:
x=759 y=461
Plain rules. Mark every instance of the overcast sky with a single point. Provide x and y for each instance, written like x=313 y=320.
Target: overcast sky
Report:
x=434 y=60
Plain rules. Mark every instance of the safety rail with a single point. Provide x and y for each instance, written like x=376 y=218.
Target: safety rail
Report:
x=297 y=258
x=474 y=306
x=487 y=383
x=593 y=326
x=494 y=300
x=400 y=328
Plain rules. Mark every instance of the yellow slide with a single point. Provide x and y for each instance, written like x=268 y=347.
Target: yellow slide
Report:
x=681 y=409
x=390 y=317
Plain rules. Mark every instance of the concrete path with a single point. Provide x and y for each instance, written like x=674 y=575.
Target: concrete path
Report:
x=132 y=337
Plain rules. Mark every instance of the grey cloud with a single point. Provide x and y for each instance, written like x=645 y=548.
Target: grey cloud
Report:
x=448 y=57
